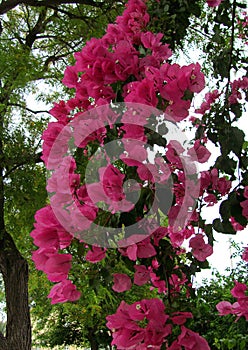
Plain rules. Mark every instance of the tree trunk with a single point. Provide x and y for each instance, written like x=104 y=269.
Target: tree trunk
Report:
x=14 y=269
x=92 y=339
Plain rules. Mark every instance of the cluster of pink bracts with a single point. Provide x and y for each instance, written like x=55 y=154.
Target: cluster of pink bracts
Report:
x=101 y=75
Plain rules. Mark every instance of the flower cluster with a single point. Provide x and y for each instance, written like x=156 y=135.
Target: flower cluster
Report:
x=240 y=307
x=244 y=204
x=50 y=237
x=129 y=65
x=236 y=86
x=145 y=325
x=214 y=3
x=213 y=185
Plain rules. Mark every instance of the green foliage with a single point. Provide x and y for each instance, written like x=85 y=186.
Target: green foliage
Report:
x=221 y=332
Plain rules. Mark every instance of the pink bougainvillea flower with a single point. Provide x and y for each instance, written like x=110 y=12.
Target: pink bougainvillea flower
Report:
x=210 y=98
x=213 y=3
x=122 y=282
x=141 y=275
x=135 y=132
x=245 y=254
x=61 y=111
x=96 y=254
x=174 y=152
x=244 y=205
x=41 y=255
x=200 y=249
x=158 y=283
x=224 y=308
x=141 y=92
x=246 y=192
x=70 y=77
x=180 y=318
x=45 y=238
x=177 y=282
x=223 y=186
x=177 y=110
x=142 y=249
x=191 y=78
x=63 y=292
x=210 y=199
x=112 y=180
x=151 y=40
x=158 y=234
x=236 y=225
x=57 y=267
x=191 y=340
x=128 y=333
x=133 y=20
x=199 y=152
x=239 y=290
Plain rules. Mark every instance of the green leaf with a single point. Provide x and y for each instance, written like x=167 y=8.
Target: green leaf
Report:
x=223 y=227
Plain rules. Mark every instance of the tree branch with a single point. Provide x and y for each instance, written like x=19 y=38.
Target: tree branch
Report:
x=28 y=109
x=232 y=40
x=37 y=159
x=8 y=5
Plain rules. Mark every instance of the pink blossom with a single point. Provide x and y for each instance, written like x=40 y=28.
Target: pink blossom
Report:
x=70 y=77
x=224 y=308
x=96 y=254
x=57 y=267
x=141 y=275
x=191 y=78
x=63 y=292
x=210 y=199
x=245 y=254
x=141 y=92
x=41 y=255
x=199 y=152
x=175 y=346
x=112 y=180
x=142 y=249
x=239 y=290
x=133 y=20
x=210 y=98
x=177 y=282
x=125 y=325
x=191 y=340
x=158 y=234
x=122 y=282
x=150 y=40
x=55 y=138
x=173 y=153
x=180 y=318
x=246 y=192
x=158 y=283
x=177 y=110
x=213 y=3
x=61 y=111
x=236 y=85
x=223 y=186
x=236 y=225
x=135 y=132
x=45 y=238
x=244 y=205
x=126 y=61
x=200 y=249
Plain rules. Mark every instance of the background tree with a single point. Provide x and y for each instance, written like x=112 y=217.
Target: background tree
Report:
x=221 y=332
x=35 y=43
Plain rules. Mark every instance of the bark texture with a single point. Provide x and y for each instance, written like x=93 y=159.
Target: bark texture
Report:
x=14 y=269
